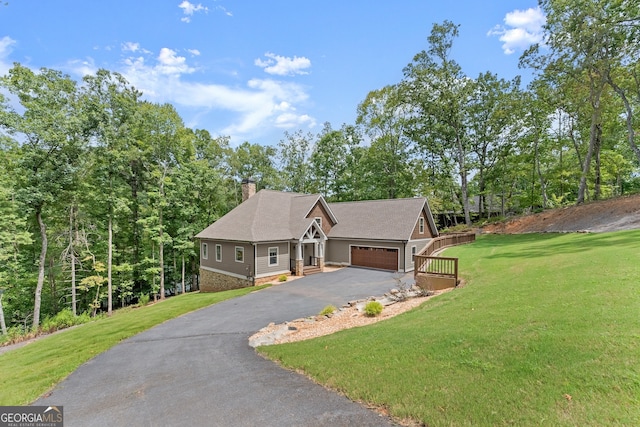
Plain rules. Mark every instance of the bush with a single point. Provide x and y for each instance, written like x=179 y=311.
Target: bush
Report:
x=330 y=309
x=373 y=308
x=143 y=299
x=64 y=319
x=282 y=278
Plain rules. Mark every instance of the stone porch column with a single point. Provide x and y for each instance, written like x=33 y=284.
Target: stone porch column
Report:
x=299 y=260
x=321 y=255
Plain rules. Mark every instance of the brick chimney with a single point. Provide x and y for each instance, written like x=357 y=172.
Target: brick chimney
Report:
x=248 y=188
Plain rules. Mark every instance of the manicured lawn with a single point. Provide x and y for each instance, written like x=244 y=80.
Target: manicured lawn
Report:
x=28 y=372
x=545 y=332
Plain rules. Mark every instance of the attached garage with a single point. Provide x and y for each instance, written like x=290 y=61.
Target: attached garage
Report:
x=372 y=257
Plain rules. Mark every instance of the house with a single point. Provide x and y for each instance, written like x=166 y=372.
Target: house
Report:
x=272 y=233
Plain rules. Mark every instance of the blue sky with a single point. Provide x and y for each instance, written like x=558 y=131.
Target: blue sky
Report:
x=252 y=70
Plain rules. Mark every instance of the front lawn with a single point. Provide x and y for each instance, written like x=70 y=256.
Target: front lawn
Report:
x=27 y=372
x=545 y=332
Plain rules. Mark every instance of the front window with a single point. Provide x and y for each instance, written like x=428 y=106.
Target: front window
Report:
x=413 y=254
x=421 y=225
x=273 y=256
x=318 y=221
x=239 y=254
x=205 y=251
x=219 y=253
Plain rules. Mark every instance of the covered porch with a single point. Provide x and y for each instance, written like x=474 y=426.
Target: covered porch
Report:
x=308 y=252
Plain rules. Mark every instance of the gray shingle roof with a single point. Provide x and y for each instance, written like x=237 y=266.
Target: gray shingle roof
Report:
x=392 y=219
x=275 y=216
x=267 y=216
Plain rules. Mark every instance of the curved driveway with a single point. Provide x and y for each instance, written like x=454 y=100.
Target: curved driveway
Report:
x=198 y=369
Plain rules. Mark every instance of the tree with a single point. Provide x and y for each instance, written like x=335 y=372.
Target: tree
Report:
x=49 y=128
x=438 y=93
x=585 y=40
x=111 y=106
x=384 y=117
x=295 y=150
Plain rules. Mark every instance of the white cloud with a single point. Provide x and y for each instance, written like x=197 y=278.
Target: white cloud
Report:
x=5 y=49
x=171 y=63
x=522 y=29
x=189 y=9
x=130 y=46
x=283 y=66
x=194 y=52
x=260 y=105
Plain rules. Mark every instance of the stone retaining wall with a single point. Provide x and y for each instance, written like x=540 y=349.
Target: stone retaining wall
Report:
x=216 y=282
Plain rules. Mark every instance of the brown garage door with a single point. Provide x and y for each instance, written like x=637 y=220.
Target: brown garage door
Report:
x=382 y=258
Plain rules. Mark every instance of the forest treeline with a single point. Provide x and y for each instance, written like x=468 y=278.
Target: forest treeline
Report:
x=101 y=192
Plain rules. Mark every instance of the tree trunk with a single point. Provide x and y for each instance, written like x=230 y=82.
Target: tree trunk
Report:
x=72 y=253
x=2 y=324
x=596 y=152
x=631 y=135
x=543 y=186
x=110 y=268
x=593 y=140
x=463 y=181
x=183 y=268
x=41 y=264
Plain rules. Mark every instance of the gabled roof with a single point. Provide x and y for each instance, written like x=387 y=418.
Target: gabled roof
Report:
x=265 y=217
x=276 y=216
x=392 y=219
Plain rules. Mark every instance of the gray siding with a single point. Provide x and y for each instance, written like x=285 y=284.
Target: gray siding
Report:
x=263 y=258
x=419 y=244
x=228 y=262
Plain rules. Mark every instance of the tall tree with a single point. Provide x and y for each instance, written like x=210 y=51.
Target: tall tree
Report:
x=49 y=127
x=384 y=118
x=111 y=105
x=438 y=92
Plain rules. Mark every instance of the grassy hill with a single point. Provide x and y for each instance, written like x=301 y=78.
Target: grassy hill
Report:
x=545 y=332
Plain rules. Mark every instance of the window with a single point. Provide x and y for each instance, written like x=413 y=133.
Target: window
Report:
x=219 y=253
x=273 y=256
x=318 y=221
x=421 y=225
x=239 y=254
x=413 y=254
x=205 y=251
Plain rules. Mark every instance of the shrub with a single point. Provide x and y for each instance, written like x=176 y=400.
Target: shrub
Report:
x=373 y=308
x=143 y=299
x=282 y=278
x=64 y=319
x=330 y=309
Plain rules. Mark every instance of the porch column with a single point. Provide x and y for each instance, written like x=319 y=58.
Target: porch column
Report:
x=299 y=260
x=321 y=255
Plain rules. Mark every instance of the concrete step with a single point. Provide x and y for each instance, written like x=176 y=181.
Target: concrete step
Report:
x=311 y=270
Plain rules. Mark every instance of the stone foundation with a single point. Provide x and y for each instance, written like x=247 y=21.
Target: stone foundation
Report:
x=216 y=282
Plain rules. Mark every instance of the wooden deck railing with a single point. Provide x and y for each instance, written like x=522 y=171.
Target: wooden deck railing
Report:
x=435 y=272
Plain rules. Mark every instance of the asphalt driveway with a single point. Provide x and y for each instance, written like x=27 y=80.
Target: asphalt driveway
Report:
x=198 y=369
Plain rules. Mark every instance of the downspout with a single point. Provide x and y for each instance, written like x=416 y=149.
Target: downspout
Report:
x=255 y=264
x=404 y=260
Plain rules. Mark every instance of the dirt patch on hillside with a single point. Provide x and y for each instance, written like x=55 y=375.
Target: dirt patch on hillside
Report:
x=622 y=213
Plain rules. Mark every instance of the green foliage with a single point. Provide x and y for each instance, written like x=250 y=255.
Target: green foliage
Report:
x=330 y=309
x=143 y=300
x=373 y=308
x=282 y=278
x=63 y=319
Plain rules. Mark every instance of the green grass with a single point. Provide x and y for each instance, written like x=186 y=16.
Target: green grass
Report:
x=28 y=372
x=546 y=332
